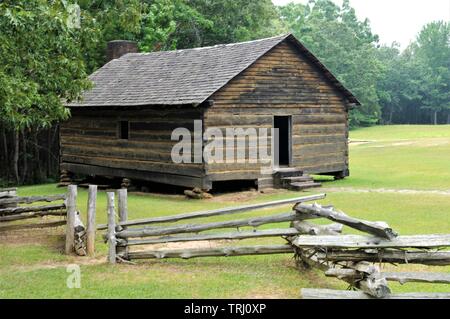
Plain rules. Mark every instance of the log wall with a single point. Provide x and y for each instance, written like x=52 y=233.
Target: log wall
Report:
x=283 y=82
x=90 y=143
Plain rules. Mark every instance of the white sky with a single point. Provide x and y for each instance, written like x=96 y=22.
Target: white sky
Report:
x=395 y=20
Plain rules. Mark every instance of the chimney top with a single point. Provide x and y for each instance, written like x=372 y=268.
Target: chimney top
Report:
x=116 y=48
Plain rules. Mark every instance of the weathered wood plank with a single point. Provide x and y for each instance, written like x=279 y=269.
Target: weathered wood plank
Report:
x=355 y=241
x=220 y=236
x=111 y=235
x=71 y=204
x=211 y=252
x=379 y=229
x=219 y=212
x=32 y=226
x=401 y=277
x=30 y=209
x=435 y=258
x=171 y=168
x=29 y=215
x=32 y=199
x=91 y=224
x=306 y=228
x=8 y=192
x=194 y=228
x=122 y=195
x=179 y=180
x=308 y=293
x=427 y=277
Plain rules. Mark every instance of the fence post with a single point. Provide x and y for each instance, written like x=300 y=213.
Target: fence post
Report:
x=91 y=226
x=123 y=214
x=71 y=207
x=111 y=229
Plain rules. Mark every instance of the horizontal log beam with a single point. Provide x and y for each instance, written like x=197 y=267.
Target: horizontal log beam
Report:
x=222 y=236
x=308 y=293
x=31 y=215
x=8 y=193
x=379 y=229
x=427 y=277
x=195 y=228
x=21 y=210
x=356 y=241
x=306 y=228
x=401 y=277
x=32 y=199
x=439 y=258
x=211 y=252
x=32 y=226
x=217 y=212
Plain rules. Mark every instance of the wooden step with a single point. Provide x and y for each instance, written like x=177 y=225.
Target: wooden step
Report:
x=304 y=185
x=294 y=179
x=287 y=172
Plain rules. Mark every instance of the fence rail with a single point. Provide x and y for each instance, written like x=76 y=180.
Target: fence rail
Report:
x=352 y=258
x=15 y=211
x=215 y=212
x=123 y=234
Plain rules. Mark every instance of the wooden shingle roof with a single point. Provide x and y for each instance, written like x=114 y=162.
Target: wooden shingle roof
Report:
x=182 y=77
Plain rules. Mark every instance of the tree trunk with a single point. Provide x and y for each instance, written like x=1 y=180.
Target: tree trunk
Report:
x=49 y=153
x=5 y=159
x=55 y=146
x=435 y=117
x=37 y=160
x=16 y=156
x=24 y=158
x=391 y=115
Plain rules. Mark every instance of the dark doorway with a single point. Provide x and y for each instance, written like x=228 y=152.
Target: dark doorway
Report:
x=283 y=124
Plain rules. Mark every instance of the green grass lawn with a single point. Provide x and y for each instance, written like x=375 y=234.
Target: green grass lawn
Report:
x=397 y=157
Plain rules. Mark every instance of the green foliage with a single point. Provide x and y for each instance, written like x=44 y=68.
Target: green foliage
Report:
x=239 y=20
x=415 y=84
x=345 y=45
x=172 y=24
x=103 y=21
x=45 y=57
x=40 y=62
x=432 y=51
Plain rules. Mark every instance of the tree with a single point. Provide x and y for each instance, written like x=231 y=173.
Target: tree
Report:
x=172 y=24
x=432 y=51
x=41 y=65
x=345 y=45
x=103 y=21
x=238 y=20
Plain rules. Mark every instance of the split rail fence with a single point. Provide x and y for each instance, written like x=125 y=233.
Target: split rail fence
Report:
x=126 y=233
x=19 y=213
x=356 y=259
x=352 y=258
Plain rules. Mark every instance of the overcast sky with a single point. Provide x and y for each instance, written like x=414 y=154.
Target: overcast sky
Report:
x=396 y=20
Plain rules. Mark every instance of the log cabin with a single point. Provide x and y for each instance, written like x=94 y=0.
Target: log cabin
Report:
x=123 y=126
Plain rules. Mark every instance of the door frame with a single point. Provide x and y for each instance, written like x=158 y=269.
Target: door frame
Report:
x=289 y=118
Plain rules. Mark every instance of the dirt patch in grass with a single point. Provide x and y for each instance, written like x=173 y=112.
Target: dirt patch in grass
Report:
x=186 y=245
x=245 y=196
x=62 y=264
x=52 y=237
x=356 y=142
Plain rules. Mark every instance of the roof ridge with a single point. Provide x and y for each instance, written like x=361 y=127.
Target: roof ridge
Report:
x=281 y=37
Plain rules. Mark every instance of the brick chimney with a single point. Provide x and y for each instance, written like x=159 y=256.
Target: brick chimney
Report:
x=115 y=49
